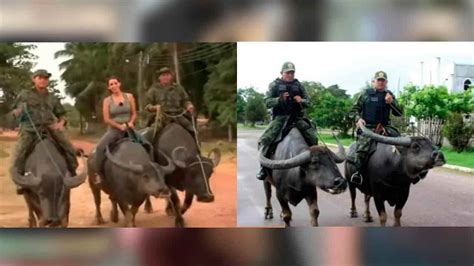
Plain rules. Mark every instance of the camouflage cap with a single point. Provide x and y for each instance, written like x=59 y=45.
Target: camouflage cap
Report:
x=287 y=66
x=42 y=73
x=164 y=70
x=380 y=75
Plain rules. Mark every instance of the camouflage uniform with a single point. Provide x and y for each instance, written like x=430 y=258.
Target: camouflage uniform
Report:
x=173 y=100
x=44 y=110
x=285 y=112
x=371 y=107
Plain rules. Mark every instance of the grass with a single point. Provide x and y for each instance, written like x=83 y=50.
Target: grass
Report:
x=328 y=138
x=464 y=159
x=256 y=127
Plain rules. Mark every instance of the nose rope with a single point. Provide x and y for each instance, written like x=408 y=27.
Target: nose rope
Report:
x=199 y=157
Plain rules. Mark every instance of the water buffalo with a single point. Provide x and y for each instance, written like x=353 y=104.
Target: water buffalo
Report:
x=396 y=163
x=47 y=184
x=130 y=176
x=192 y=173
x=296 y=172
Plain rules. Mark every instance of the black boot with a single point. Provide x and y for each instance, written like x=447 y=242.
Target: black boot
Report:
x=356 y=177
x=262 y=174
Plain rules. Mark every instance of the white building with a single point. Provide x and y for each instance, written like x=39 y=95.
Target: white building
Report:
x=461 y=77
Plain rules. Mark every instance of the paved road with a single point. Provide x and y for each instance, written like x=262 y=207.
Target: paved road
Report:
x=444 y=198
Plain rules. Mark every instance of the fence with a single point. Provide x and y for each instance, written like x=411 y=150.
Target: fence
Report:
x=432 y=128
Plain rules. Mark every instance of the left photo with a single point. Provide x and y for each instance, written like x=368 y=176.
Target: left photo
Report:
x=118 y=134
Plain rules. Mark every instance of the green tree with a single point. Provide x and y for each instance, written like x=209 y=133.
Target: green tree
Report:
x=255 y=109
x=16 y=61
x=220 y=93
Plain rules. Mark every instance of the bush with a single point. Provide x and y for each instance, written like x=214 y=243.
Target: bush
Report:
x=457 y=132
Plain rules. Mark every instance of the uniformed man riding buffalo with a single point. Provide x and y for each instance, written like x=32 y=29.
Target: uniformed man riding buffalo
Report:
x=373 y=109
x=169 y=102
x=39 y=111
x=287 y=98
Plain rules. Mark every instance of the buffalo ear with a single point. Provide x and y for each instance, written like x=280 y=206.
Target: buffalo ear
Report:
x=215 y=156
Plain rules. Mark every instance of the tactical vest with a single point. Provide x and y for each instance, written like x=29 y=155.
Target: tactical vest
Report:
x=291 y=107
x=375 y=110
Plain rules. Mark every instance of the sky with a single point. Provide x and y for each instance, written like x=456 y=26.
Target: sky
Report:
x=349 y=64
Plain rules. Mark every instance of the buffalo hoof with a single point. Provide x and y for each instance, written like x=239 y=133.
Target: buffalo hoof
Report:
x=268 y=213
x=184 y=209
x=179 y=222
x=368 y=218
x=99 y=220
x=114 y=216
x=148 y=208
x=353 y=214
x=314 y=222
x=32 y=223
x=286 y=218
x=169 y=211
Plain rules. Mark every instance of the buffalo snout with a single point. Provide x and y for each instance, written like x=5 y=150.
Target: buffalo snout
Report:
x=53 y=222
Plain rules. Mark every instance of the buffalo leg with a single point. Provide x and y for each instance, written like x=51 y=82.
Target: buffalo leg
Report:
x=175 y=205
x=31 y=213
x=268 y=193
x=353 y=192
x=367 y=216
x=114 y=212
x=188 y=200
x=134 y=210
x=148 y=206
x=379 y=204
x=98 y=214
x=398 y=208
x=127 y=213
x=312 y=201
x=285 y=210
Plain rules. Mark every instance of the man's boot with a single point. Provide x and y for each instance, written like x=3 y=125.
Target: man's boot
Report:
x=357 y=178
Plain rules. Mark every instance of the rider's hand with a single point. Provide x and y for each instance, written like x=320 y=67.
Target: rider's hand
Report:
x=297 y=98
x=57 y=126
x=360 y=122
x=123 y=127
x=190 y=108
x=285 y=95
x=17 y=111
x=388 y=98
x=130 y=125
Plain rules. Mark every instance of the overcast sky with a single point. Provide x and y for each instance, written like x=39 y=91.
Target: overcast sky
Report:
x=348 y=64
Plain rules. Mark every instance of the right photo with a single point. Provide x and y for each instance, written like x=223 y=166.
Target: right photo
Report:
x=355 y=134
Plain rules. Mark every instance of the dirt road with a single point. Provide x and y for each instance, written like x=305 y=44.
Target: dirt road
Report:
x=220 y=213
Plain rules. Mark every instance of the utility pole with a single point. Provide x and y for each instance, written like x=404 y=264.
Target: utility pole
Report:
x=176 y=64
x=140 y=85
x=421 y=76
x=438 y=81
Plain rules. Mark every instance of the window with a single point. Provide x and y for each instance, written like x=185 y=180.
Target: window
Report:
x=467 y=83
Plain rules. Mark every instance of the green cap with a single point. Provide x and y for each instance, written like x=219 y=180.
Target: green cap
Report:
x=288 y=66
x=42 y=73
x=164 y=70
x=380 y=75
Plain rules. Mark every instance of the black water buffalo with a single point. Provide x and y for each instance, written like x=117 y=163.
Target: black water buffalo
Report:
x=296 y=172
x=396 y=163
x=47 y=184
x=130 y=176
x=192 y=173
